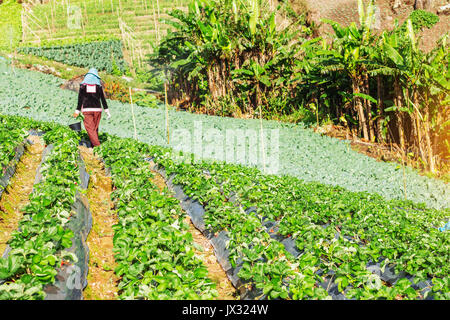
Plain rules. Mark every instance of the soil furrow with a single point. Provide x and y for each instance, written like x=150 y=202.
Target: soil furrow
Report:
x=205 y=251
x=102 y=281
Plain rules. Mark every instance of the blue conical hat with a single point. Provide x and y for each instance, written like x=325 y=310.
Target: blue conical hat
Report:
x=92 y=77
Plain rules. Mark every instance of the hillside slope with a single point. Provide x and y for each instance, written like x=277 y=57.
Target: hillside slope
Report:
x=346 y=11
x=55 y=20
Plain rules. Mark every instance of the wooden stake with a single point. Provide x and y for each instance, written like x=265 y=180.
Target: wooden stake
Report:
x=156 y=25
x=53 y=16
x=157 y=3
x=132 y=113
x=262 y=139
x=404 y=174
x=167 y=112
x=85 y=11
x=48 y=25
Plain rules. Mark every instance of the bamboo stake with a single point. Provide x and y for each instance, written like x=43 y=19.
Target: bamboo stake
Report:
x=404 y=175
x=156 y=25
x=85 y=11
x=262 y=139
x=132 y=113
x=167 y=112
x=48 y=25
x=157 y=3
x=23 y=26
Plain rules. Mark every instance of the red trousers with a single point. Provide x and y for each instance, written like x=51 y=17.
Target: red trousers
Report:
x=91 y=123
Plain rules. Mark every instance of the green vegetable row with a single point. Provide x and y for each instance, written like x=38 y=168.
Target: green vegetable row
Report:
x=37 y=246
x=339 y=232
x=103 y=55
x=154 y=252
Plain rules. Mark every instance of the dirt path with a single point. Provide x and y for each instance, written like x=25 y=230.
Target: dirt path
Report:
x=102 y=281
x=205 y=252
x=16 y=195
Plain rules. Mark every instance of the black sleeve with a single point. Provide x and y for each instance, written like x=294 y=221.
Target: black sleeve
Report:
x=102 y=97
x=80 y=98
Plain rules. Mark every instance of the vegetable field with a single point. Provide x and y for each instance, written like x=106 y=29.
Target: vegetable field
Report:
x=277 y=237
x=261 y=203
x=104 y=55
x=302 y=153
x=49 y=20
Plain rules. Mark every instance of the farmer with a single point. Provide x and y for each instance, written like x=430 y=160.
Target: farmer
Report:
x=91 y=92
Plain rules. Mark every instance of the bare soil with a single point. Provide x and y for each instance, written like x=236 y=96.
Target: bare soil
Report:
x=102 y=281
x=346 y=11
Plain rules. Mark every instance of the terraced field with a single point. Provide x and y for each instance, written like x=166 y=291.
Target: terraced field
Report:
x=57 y=20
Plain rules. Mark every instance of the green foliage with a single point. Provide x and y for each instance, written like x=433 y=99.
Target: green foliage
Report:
x=302 y=152
x=10 y=24
x=37 y=247
x=103 y=55
x=230 y=50
x=423 y=19
x=154 y=250
x=144 y=99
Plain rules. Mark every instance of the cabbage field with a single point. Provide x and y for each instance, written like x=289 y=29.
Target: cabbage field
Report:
x=302 y=153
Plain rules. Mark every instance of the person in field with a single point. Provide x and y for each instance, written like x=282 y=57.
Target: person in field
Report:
x=91 y=98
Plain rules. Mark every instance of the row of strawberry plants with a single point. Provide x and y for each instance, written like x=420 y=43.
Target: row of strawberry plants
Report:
x=347 y=231
x=153 y=250
x=262 y=263
x=37 y=247
x=338 y=232
x=264 y=266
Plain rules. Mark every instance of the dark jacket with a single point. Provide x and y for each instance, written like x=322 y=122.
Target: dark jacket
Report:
x=91 y=101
